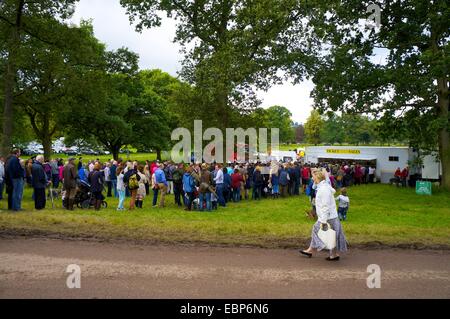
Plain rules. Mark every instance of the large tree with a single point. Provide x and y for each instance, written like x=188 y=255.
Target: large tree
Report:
x=19 y=18
x=166 y=110
x=280 y=117
x=125 y=108
x=406 y=85
x=230 y=47
x=48 y=75
x=103 y=109
x=314 y=127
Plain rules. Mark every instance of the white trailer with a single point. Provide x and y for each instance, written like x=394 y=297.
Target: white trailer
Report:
x=385 y=159
x=285 y=156
x=431 y=167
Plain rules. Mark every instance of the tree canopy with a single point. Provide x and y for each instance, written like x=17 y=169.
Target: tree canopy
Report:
x=408 y=88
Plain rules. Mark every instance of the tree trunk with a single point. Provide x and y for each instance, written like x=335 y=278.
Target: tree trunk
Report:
x=115 y=150
x=224 y=112
x=47 y=144
x=444 y=135
x=443 y=111
x=10 y=79
x=158 y=154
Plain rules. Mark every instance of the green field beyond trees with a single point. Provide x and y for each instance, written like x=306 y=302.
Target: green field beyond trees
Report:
x=378 y=214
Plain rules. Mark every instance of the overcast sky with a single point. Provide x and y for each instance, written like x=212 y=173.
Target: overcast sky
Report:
x=157 y=51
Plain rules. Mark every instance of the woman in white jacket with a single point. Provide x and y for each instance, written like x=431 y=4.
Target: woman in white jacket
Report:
x=142 y=192
x=327 y=214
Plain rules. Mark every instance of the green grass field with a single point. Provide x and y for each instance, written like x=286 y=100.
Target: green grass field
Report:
x=378 y=213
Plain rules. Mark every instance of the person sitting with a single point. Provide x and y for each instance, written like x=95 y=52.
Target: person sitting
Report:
x=397 y=177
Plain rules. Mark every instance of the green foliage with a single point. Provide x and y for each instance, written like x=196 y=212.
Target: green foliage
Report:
x=314 y=127
x=46 y=77
x=281 y=118
x=408 y=88
x=229 y=47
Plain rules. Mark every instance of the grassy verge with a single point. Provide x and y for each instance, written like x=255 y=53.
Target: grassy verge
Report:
x=378 y=213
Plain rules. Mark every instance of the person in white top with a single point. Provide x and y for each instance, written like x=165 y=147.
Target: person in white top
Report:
x=120 y=188
x=371 y=174
x=327 y=216
x=141 y=193
x=219 y=185
x=344 y=204
x=107 y=173
x=91 y=167
x=2 y=176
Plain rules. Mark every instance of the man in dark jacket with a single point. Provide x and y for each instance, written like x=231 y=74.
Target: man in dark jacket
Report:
x=39 y=182
x=296 y=176
x=15 y=180
x=284 y=181
x=177 y=176
x=204 y=190
x=97 y=179
x=70 y=175
x=258 y=183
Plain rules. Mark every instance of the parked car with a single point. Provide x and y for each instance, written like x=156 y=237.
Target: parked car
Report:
x=71 y=151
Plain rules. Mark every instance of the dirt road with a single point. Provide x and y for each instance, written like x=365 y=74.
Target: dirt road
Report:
x=36 y=268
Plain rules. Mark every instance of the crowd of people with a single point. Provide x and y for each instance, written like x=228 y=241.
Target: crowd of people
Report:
x=202 y=187
x=199 y=187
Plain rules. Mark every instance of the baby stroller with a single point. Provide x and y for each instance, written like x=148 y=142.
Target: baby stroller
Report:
x=84 y=198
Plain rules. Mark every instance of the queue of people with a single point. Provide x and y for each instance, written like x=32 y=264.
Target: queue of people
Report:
x=202 y=187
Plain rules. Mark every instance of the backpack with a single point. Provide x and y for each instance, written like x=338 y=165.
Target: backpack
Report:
x=133 y=182
x=177 y=176
x=309 y=190
x=259 y=177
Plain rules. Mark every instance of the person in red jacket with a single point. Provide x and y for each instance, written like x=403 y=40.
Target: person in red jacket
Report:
x=358 y=175
x=306 y=174
x=404 y=175
x=236 y=180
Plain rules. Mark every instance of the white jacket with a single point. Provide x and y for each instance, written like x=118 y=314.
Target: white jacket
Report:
x=2 y=171
x=325 y=202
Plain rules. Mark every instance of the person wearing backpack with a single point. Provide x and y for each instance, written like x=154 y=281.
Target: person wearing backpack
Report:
x=258 y=182
x=236 y=180
x=168 y=171
x=161 y=181
x=227 y=191
x=97 y=180
x=311 y=193
x=284 y=182
x=177 y=177
x=131 y=179
x=204 y=189
x=189 y=188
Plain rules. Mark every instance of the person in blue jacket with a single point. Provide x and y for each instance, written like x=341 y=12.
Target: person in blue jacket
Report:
x=82 y=174
x=15 y=180
x=275 y=185
x=227 y=194
x=189 y=188
x=284 y=181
